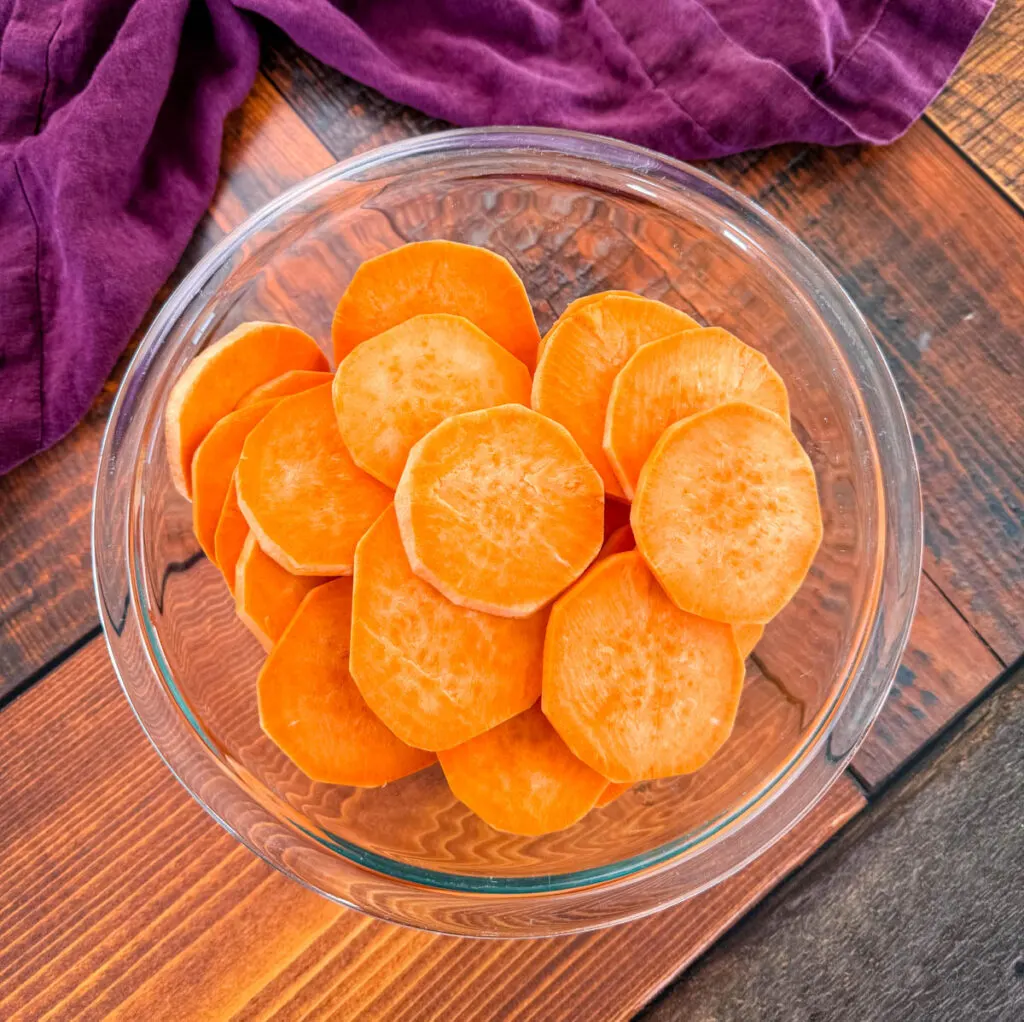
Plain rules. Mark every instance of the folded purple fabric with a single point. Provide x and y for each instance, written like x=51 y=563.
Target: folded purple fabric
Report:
x=111 y=113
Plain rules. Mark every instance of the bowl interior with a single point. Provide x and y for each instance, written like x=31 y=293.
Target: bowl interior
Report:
x=570 y=226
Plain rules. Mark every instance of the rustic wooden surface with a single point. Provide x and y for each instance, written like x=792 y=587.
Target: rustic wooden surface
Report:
x=836 y=943
x=122 y=899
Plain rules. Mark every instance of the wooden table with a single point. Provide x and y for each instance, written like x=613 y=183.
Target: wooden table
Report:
x=120 y=898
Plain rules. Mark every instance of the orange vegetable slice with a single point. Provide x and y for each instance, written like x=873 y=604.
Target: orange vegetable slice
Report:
x=437 y=276
x=576 y=305
x=267 y=596
x=219 y=377
x=437 y=674
x=300 y=491
x=674 y=378
x=636 y=687
x=611 y=793
x=581 y=359
x=500 y=510
x=213 y=468
x=521 y=778
x=311 y=709
x=747 y=637
x=395 y=387
x=292 y=382
x=232 y=529
x=726 y=513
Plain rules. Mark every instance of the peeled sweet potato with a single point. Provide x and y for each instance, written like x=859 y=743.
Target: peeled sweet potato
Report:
x=218 y=378
x=394 y=388
x=747 y=637
x=232 y=529
x=300 y=491
x=437 y=276
x=520 y=777
x=581 y=359
x=500 y=510
x=726 y=513
x=292 y=382
x=636 y=687
x=311 y=709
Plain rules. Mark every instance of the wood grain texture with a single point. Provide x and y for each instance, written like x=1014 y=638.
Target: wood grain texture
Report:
x=46 y=595
x=914 y=913
x=124 y=900
x=981 y=110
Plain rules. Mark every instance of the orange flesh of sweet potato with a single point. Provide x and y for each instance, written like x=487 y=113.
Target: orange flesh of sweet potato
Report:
x=267 y=596
x=213 y=468
x=618 y=542
x=637 y=688
x=394 y=388
x=229 y=538
x=500 y=510
x=611 y=793
x=437 y=276
x=674 y=378
x=726 y=513
x=435 y=673
x=219 y=377
x=292 y=382
x=305 y=499
x=521 y=778
x=747 y=637
x=576 y=305
x=311 y=709
x=581 y=359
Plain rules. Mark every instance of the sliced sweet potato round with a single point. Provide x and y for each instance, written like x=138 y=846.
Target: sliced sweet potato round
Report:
x=747 y=637
x=232 y=529
x=300 y=491
x=577 y=304
x=395 y=387
x=437 y=674
x=611 y=792
x=500 y=510
x=292 y=382
x=521 y=778
x=636 y=687
x=437 y=276
x=581 y=359
x=726 y=513
x=311 y=709
x=267 y=596
x=676 y=377
x=219 y=377
x=213 y=468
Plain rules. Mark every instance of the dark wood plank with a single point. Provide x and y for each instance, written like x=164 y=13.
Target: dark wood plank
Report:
x=46 y=596
x=981 y=110
x=124 y=900
x=915 y=912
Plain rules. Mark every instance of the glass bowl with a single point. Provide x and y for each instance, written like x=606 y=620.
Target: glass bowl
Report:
x=574 y=214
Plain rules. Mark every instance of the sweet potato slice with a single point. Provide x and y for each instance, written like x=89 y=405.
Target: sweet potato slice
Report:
x=726 y=513
x=395 y=387
x=300 y=491
x=747 y=637
x=232 y=529
x=576 y=305
x=218 y=378
x=500 y=510
x=674 y=378
x=292 y=382
x=311 y=709
x=611 y=792
x=213 y=468
x=521 y=778
x=267 y=596
x=435 y=673
x=581 y=359
x=636 y=687
x=437 y=276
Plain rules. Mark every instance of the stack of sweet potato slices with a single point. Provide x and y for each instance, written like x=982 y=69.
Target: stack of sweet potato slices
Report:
x=435 y=542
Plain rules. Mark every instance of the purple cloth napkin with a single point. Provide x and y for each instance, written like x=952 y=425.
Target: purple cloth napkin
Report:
x=111 y=113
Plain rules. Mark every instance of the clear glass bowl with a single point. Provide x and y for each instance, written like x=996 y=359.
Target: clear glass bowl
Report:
x=574 y=214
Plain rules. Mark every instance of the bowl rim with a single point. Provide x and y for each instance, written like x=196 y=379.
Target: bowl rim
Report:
x=637 y=160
